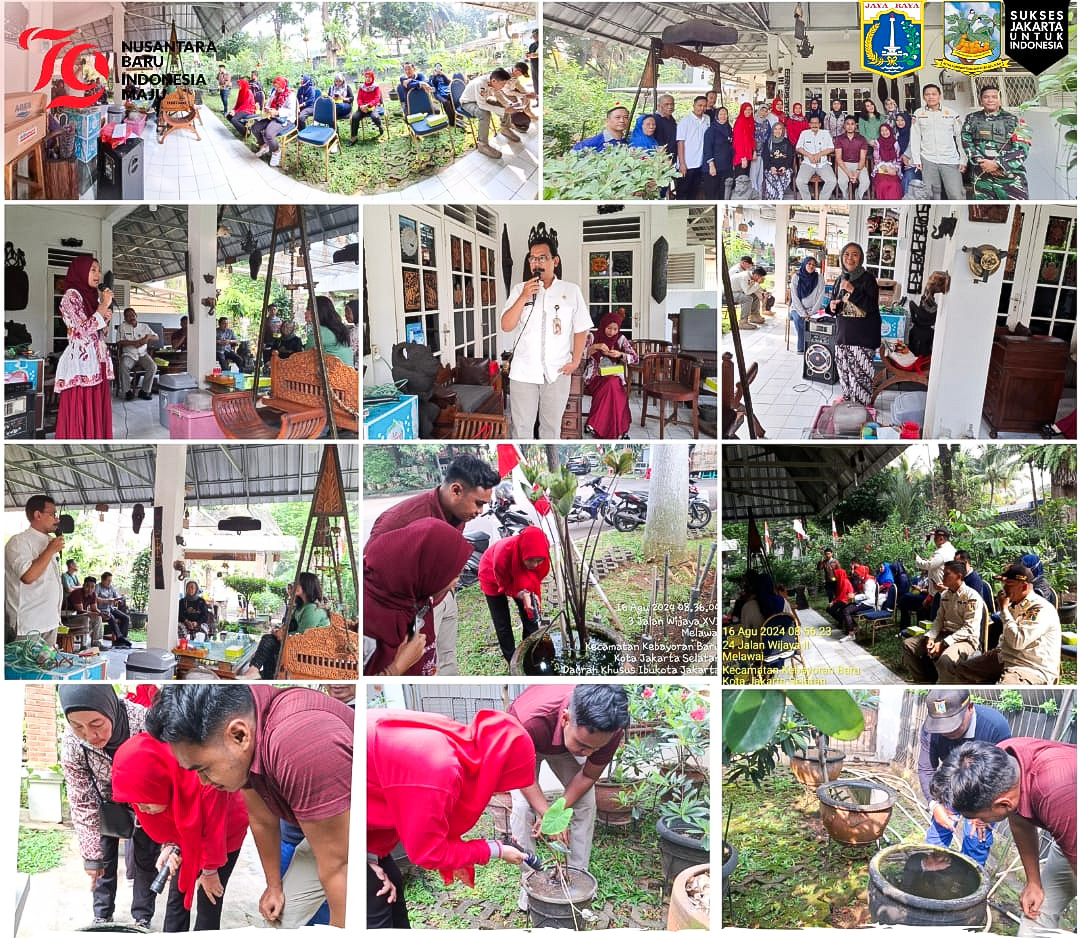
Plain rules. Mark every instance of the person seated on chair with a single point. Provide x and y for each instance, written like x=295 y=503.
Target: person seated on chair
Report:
x=851 y=148
x=341 y=92
x=815 y=146
x=306 y=94
x=332 y=331
x=134 y=339
x=412 y=79
x=192 y=613
x=607 y=349
x=614 y=132
x=1040 y=583
x=226 y=339
x=69 y=580
x=369 y=104
x=281 y=110
x=307 y=614
x=290 y=342
x=844 y=594
x=480 y=99
x=518 y=93
x=111 y=603
x=84 y=599
x=178 y=337
x=869 y=598
x=972 y=579
x=245 y=108
x=955 y=635
x=440 y=84
x=256 y=89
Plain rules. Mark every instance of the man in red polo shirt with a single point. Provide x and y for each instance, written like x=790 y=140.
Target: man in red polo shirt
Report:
x=464 y=493
x=576 y=730
x=1032 y=782
x=290 y=752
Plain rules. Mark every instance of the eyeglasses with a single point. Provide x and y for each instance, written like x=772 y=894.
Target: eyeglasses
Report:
x=539 y=257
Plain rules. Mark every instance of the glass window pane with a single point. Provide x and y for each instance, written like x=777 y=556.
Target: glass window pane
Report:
x=427 y=245
x=599 y=263
x=431 y=290
x=410 y=287
x=409 y=244
x=455 y=252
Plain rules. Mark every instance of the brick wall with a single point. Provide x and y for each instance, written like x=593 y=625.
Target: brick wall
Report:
x=41 y=733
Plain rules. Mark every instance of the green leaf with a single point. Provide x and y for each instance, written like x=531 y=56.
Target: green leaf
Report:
x=557 y=818
x=834 y=712
x=750 y=718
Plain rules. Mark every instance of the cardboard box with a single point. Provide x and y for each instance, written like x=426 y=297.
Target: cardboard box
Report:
x=86 y=149
x=23 y=105
x=22 y=137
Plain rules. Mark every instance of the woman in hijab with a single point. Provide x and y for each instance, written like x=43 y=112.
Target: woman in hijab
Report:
x=514 y=568
x=776 y=112
x=406 y=575
x=807 y=287
x=779 y=154
x=369 y=104
x=244 y=109
x=858 y=325
x=429 y=781
x=84 y=372
x=205 y=824
x=342 y=93
x=796 y=123
x=1039 y=583
x=902 y=132
x=815 y=111
x=193 y=614
x=743 y=142
x=332 y=331
x=719 y=154
x=307 y=614
x=845 y=593
x=282 y=111
x=643 y=136
x=870 y=121
x=98 y=724
x=886 y=181
x=607 y=353
x=763 y=125
x=885 y=577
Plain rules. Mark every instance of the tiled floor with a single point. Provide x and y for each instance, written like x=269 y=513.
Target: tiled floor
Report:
x=785 y=404
x=219 y=168
x=830 y=661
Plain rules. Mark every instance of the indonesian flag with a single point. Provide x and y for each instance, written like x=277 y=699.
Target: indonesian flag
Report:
x=509 y=459
x=800 y=531
x=768 y=539
x=835 y=535
x=509 y=456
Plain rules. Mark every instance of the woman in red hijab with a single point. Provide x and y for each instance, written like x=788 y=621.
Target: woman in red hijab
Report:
x=515 y=567
x=407 y=573
x=607 y=353
x=244 y=109
x=845 y=592
x=84 y=371
x=429 y=780
x=797 y=123
x=173 y=807
x=743 y=139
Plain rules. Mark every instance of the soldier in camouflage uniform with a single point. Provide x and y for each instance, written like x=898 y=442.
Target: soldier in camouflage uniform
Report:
x=996 y=143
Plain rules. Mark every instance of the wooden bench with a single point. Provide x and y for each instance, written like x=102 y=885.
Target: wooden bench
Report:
x=479 y=427
x=326 y=653
x=732 y=399
x=295 y=387
x=240 y=419
x=487 y=399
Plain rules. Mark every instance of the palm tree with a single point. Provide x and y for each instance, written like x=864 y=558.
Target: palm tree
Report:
x=1060 y=463
x=904 y=491
x=997 y=466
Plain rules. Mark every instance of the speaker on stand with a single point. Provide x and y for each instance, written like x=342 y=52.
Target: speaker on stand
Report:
x=819 y=359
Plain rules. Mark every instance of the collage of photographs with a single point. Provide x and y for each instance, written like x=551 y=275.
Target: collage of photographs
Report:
x=661 y=355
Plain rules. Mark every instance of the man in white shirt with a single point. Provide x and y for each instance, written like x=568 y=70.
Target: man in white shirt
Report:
x=936 y=146
x=944 y=551
x=32 y=590
x=480 y=100
x=747 y=293
x=552 y=323
x=690 y=139
x=815 y=146
x=134 y=338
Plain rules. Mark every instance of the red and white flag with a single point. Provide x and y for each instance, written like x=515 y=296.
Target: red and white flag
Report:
x=800 y=531
x=768 y=539
x=835 y=535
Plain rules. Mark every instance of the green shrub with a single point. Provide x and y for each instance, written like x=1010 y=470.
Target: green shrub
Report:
x=620 y=172
x=40 y=850
x=575 y=101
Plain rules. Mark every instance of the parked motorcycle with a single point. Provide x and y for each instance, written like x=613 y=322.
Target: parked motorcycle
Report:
x=627 y=510
x=593 y=507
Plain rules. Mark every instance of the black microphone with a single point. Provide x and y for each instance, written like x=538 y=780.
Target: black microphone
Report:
x=107 y=284
x=65 y=524
x=531 y=301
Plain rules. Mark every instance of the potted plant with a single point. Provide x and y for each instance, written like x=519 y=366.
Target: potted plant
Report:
x=616 y=800
x=689 y=906
x=44 y=793
x=560 y=898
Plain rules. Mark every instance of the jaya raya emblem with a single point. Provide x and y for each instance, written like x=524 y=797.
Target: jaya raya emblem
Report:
x=892 y=37
x=972 y=38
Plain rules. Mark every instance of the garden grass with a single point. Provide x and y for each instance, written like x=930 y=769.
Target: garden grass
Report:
x=372 y=166
x=40 y=850
x=625 y=861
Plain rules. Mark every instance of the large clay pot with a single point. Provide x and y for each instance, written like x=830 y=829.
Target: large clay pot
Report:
x=678 y=851
x=855 y=812
x=682 y=913
x=807 y=768
x=552 y=907
x=608 y=807
x=730 y=860
x=522 y=665
x=902 y=892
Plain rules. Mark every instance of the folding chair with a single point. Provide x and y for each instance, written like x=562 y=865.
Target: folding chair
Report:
x=424 y=118
x=780 y=634
x=321 y=132
x=457 y=89
x=879 y=618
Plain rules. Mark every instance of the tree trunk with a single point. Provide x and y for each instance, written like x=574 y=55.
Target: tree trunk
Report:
x=665 y=524
x=945 y=458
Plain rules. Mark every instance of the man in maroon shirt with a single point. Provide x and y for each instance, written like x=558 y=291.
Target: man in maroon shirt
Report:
x=464 y=493
x=851 y=148
x=576 y=730
x=1032 y=782
x=290 y=752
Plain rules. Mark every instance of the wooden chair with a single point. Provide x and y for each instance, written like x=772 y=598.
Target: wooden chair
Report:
x=673 y=379
x=732 y=407
x=178 y=111
x=643 y=347
x=326 y=653
x=321 y=132
x=479 y=427
x=295 y=387
x=425 y=119
x=892 y=374
x=240 y=419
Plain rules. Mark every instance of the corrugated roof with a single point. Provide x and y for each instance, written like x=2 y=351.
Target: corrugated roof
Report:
x=795 y=481
x=79 y=476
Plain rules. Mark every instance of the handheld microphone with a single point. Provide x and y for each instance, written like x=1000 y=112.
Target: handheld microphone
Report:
x=531 y=301
x=65 y=524
x=107 y=284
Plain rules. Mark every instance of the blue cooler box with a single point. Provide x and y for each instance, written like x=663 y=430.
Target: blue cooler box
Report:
x=396 y=420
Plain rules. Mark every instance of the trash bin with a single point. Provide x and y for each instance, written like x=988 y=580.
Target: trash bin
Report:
x=173 y=389
x=151 y=664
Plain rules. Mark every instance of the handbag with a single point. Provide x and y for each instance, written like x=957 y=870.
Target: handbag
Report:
x=114 y=818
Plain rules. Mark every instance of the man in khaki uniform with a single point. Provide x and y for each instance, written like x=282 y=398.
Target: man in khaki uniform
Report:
x=955 y=633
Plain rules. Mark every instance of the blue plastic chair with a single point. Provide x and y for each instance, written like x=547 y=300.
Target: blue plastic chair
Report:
x=321 y=132
x=879 y=618
x=424 y=118
x=457 y=89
